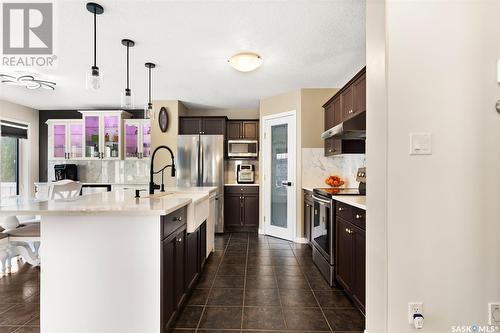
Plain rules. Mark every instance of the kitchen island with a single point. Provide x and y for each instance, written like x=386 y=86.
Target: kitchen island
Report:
x=103 y=259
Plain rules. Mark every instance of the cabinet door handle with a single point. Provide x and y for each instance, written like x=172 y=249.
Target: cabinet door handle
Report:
x=350 y=111
x=178 y=218
x=346 y=230
x=341 y=209
x=179 y=240
x=359 y=216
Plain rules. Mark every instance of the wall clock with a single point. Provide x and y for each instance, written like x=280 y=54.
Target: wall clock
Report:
x=163 y=119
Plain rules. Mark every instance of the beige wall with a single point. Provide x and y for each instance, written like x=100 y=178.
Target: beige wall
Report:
x=310 y=122
x=230 y=113
x=169 y=138
x=312 y=115
x=441 y=211
x=29 y=148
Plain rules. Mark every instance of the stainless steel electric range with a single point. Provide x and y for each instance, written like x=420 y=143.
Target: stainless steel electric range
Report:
x=323 y=225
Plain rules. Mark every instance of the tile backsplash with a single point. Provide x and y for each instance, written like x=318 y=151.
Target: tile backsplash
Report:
x=316 y=167
x=117 y=172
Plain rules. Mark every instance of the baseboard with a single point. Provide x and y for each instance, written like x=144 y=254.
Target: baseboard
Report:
x=301 y=240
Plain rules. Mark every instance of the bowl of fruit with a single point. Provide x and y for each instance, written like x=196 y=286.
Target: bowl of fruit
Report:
x=334 y=181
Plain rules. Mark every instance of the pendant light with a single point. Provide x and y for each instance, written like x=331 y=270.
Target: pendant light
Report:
x=148 y=110
x=127 y=100
x=94 y=77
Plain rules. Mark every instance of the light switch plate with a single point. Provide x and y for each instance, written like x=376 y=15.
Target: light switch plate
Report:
x=420 y=144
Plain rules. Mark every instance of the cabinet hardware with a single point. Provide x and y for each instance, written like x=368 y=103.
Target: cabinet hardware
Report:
x=179 y=240
x=178 y=218
x=358 y=216
x=341 y=209
x=350 y=111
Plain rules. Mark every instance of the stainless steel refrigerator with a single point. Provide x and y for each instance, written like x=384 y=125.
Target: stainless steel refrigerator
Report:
x=200 y=162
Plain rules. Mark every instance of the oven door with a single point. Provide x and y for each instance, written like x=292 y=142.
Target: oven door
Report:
x=322 y=228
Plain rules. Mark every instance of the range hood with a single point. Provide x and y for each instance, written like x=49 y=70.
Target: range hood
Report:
x=351 y=129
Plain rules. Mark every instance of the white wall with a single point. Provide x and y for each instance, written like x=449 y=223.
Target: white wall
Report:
x=28 y=148
x=442 y=211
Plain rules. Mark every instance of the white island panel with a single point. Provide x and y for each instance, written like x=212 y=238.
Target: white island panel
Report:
x=100 y=274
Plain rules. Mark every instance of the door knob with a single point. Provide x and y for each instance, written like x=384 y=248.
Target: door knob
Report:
x=286 y=183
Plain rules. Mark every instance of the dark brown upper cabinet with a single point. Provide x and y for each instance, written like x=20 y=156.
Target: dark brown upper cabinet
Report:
x=348 y=102
x=243 y=130
x=202 y=125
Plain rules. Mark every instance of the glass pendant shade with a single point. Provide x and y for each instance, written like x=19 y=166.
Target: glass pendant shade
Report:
x=148 y=111
x=127 y=99
x=94 y=79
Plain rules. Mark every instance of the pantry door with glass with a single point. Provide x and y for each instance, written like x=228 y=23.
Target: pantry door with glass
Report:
x=279 y=161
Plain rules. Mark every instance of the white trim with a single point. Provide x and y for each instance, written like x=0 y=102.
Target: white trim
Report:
x=301 y=240
x=280 y=115
x=292 y=170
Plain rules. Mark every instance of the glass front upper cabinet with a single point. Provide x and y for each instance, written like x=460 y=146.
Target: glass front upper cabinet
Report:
x=66 y=139
x=137 y=138
x=103 y=132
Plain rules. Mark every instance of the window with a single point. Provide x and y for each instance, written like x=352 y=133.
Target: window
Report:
x=9 y=166
x=11 y=134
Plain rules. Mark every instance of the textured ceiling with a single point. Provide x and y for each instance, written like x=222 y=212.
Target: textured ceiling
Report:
x=304 y=44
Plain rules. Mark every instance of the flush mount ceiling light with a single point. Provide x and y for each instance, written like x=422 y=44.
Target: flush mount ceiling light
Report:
x=127 y=101
x=94 y=78
x=245 y=61
x=149 y=108
x=27 y=81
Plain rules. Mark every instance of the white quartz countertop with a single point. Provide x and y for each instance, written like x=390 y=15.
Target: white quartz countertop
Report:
x=358 y=201
x=236 y=184
x=119 y=202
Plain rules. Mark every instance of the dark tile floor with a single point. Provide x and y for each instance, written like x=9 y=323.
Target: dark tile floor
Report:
x=20 y=300
x=256 y=283
x=251 y=283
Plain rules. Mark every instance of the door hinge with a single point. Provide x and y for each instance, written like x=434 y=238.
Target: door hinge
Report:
x=265 y=135
x=264 y=219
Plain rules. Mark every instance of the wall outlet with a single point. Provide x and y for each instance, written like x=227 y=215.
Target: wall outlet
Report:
x=493 y=314
x=413 y=308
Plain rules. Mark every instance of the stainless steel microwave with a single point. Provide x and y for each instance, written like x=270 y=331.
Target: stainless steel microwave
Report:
x=243 y=148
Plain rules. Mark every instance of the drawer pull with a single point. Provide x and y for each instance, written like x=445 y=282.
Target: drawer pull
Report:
x=178 y=218
x=341 y=209
x=350 y=111
x=179 y=240
x=359 y=216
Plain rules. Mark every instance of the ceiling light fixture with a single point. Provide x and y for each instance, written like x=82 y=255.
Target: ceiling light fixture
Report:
x=149 y=108
x=245 y=61
x=127 y=100
x=94 y=78
x=27 y=81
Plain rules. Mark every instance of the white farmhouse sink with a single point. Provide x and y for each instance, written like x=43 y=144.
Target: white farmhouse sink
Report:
x=197 y=210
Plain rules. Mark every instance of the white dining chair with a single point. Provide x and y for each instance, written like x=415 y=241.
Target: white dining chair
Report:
x=64 y=190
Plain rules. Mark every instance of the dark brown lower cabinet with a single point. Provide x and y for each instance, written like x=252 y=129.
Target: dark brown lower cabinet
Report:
x=350 y=270
x=182 y=259
x=192 y=258
x=241 y=208
x=173 y=281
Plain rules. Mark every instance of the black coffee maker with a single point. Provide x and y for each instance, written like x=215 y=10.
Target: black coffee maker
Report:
x=66 y=171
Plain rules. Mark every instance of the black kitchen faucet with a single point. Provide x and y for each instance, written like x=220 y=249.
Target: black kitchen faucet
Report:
x=152 y=185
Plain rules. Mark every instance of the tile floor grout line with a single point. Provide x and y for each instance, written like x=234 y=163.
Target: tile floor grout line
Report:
x=279 y=296
x=212 y=284
x=317 y=301
x=244 y=285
